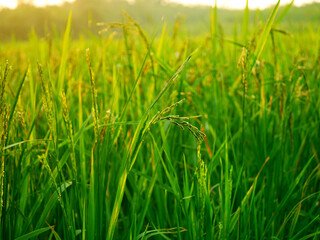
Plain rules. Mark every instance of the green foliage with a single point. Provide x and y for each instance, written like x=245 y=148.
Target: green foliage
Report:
x=97 y=144
x=50 y=21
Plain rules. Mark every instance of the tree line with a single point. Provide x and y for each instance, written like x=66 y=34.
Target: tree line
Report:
x=19 y=22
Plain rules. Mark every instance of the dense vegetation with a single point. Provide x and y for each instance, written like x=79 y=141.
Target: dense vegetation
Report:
x=102 y=137
x=51 y=20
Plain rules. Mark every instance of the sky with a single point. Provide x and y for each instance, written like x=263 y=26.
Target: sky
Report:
x=221 y=3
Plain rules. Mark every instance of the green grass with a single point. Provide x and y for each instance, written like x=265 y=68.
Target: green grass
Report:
x=96 y=142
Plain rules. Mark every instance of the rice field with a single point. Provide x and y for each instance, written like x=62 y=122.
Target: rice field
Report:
x=159 y=135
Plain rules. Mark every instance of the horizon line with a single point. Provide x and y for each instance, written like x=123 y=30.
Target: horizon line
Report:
x=170 y=2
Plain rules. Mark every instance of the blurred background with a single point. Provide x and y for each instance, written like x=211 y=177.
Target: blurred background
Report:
x=18 y=18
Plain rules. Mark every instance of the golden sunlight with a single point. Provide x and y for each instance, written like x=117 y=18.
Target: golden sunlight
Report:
x=8 y=3
x=221 y=3
x=40 y=3
x=241 y=4
x=49 y=2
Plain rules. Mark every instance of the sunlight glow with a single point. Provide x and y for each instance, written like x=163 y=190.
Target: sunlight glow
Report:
x=40 y=3
x=237 y=4
x=49 y=2
x=8 y=3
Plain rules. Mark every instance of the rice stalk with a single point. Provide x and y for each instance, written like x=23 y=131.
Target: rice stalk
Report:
x=109 y=26
x=4 y=120
x=243 y=65
x=93 y=96
x=178 y=121
x=140 y=30
x=202 y=190
x=3 y=80
x=48 y=105
x=145 y=40
x=66 y=117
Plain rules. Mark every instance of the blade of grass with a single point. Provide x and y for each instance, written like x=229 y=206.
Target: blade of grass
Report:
x=64 y=56
x=263 y=38
x=284 y=12
x=245 y=26
x=34 y=233
x=16 y=100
